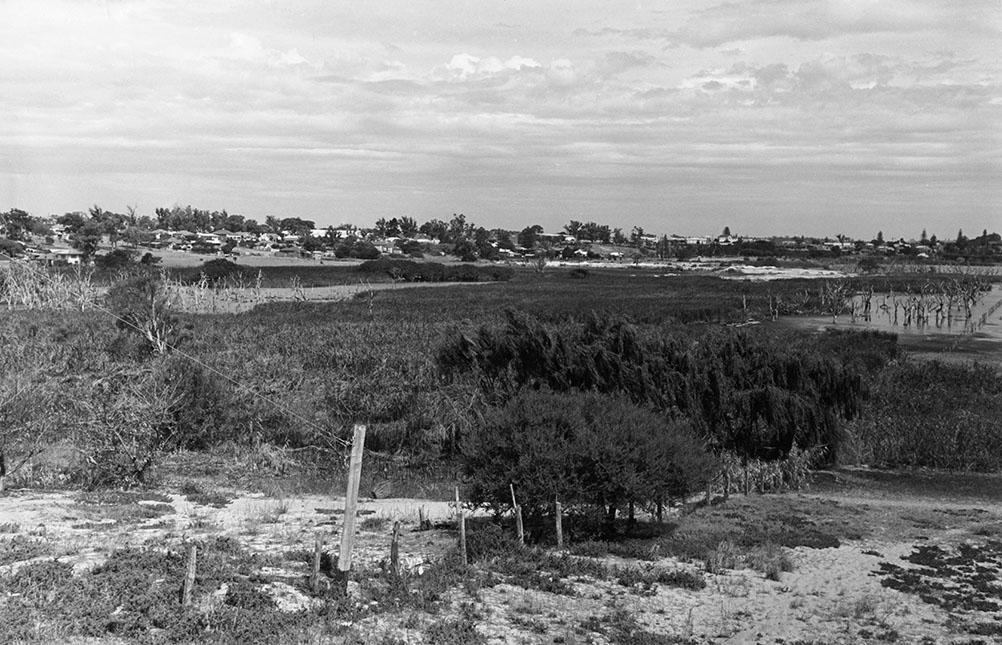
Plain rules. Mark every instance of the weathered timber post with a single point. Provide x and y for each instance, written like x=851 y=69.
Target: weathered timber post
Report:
x=318 y=549
x=189 y=577
x=560 y=523
x=395 y=551
x=351 y=503
x=518 y=515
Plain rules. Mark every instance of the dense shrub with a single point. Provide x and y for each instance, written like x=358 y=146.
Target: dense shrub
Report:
x=200 y=417
x=220 y=269
x=125 y=426
x=10 y=248
x=115 y=259
x=582 y=448
x=746 y=394
x=410 y=271
x=356 y=248
x=935 y=415
x=132 y=417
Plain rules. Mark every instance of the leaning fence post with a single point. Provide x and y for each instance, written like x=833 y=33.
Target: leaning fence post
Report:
x=189 y=577
x=351 y=503
x=518 y=515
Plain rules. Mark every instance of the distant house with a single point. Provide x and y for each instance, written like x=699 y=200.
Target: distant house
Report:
x=71 y=257
x=556 y=238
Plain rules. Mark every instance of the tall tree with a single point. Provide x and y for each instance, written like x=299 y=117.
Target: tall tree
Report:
x=435 y=229
x=529 y=236
x=636 y=235
x=17 y=223
x=459 y=228
x=408 y=226
x=482 y=241
x=573 y=228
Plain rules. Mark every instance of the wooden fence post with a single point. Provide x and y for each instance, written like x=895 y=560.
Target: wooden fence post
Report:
x=560 y=523
x=395 y=551
x=462 y=529
x=518 y=516
x=318 y=549
x=351 y=502
x=189 y=577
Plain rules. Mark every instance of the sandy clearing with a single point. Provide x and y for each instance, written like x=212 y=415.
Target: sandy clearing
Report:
x=832 y=595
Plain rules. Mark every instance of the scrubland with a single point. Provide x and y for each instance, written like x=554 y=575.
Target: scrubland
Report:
x=134 y=427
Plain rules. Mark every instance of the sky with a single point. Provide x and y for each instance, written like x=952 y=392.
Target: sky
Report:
x=771 y=117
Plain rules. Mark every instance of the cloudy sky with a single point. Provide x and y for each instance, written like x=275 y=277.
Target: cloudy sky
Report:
x=768 y=116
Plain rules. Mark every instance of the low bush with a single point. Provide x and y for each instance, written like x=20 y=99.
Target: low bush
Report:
x=132 y=417
x=410 y=271
x=115 y=260
x=215 y=272
x=134 y=596
x=582 y=448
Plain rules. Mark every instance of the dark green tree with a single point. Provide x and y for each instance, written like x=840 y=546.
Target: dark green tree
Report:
x=529 y=236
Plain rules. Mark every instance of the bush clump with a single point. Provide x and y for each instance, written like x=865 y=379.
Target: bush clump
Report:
x=410 y=271
x=585 y=449
x=748 y=395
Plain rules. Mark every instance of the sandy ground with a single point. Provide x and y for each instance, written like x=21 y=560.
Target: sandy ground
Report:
x=832 y=595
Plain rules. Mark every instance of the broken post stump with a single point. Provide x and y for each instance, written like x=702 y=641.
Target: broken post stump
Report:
x=318 y=549
x=189 y=577
x=395 y=551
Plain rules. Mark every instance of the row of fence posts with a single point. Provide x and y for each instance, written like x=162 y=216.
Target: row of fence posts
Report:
x=348 y=529
x=519 y=528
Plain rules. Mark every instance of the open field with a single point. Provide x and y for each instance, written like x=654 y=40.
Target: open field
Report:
x=127 y=439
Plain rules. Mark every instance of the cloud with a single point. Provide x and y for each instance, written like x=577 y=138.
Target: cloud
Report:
x=464 y=66
x=302 y=106
x=811 y=20
x=617 y=62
